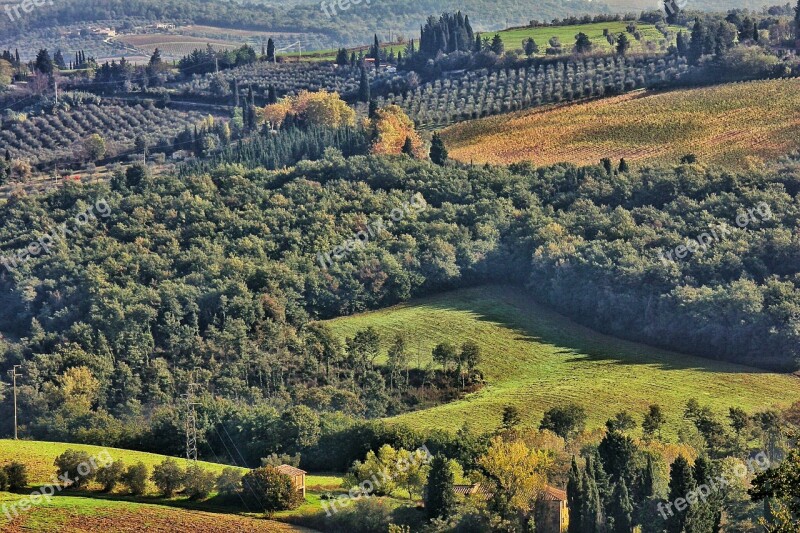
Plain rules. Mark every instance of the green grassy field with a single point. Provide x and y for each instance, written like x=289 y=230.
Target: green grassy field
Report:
x=95 y=511
x=536 y=359
x=513 y=38
x=39 y=456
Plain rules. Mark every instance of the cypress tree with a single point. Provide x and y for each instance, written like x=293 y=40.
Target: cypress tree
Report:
x=681 y=483
x=363 y=87
x=623 y=166
x=440 y=499
x=591 y=510
x=697 y=42
x=575 y=498
x=439 y=153
x=270 y=50
x=621 y=509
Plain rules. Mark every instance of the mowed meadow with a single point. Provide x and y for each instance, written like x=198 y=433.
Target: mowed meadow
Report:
x=513 y=38
x=92 y=511
x=738 y=125
x=535 y=359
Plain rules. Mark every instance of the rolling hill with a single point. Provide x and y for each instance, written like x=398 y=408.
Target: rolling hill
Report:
x=535 y=359
x=97 y=512
x=734 y=125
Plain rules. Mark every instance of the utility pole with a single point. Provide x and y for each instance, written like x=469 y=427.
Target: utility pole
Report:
x=14 y=376
x=191 y=421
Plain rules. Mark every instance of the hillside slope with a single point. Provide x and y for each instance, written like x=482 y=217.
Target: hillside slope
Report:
x=733 y=125
x=536 y=359
x=97 y=512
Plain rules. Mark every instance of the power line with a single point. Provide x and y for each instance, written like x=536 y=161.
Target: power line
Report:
x=14 y=375
x=190 y=425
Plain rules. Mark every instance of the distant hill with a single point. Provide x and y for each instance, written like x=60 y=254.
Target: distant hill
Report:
x=734 y=125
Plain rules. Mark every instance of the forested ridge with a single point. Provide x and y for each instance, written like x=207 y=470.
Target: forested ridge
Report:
x=219 y=270
x=353 y=26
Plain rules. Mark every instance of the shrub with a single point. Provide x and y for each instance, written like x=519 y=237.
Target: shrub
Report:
x=366 y=516
x=282 y=459
x=3 y=480
x=271 y=490
x=135 y=478
x=17 y=476
x=110 y=475
x=77 y=465
x=199 y=482
x=229 y=481
x=168 y=477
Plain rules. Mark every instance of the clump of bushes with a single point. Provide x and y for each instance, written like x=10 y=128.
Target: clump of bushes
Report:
x=135 y=479
x=16 y=475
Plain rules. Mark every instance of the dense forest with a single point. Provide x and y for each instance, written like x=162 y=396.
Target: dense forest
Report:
x=137 y=298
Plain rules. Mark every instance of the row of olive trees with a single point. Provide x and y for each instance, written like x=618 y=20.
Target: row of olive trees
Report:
x=480 y=93
x=60 y=136
x=286 y=78
x=263 y=488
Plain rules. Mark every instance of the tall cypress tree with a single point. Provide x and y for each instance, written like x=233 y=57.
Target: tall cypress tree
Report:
x=592 y=509
x=621 y=508
x=363 y=87
x=376 y=53
x=697 y=42
x=440 y=499
x=681 y=483
x=575 y=498
x=270 y=50
x=439 y=154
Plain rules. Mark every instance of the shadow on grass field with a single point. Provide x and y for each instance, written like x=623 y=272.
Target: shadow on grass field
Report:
x=535 y=359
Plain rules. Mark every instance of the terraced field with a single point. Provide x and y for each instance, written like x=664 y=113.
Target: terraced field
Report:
x=536 y=359
x=735 y=125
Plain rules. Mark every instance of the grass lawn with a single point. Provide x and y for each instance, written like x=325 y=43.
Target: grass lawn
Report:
x=39 y=456
x=736 y=125
x=535 y=359
x=513 y=38
x=94 y=511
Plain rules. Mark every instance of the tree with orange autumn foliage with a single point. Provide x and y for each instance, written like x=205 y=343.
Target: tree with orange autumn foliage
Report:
x=392 y=129
x=319 y=108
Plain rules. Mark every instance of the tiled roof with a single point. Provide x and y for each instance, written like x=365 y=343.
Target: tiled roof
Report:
x=290 y=470
x=553 y=494
x=548 y=494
